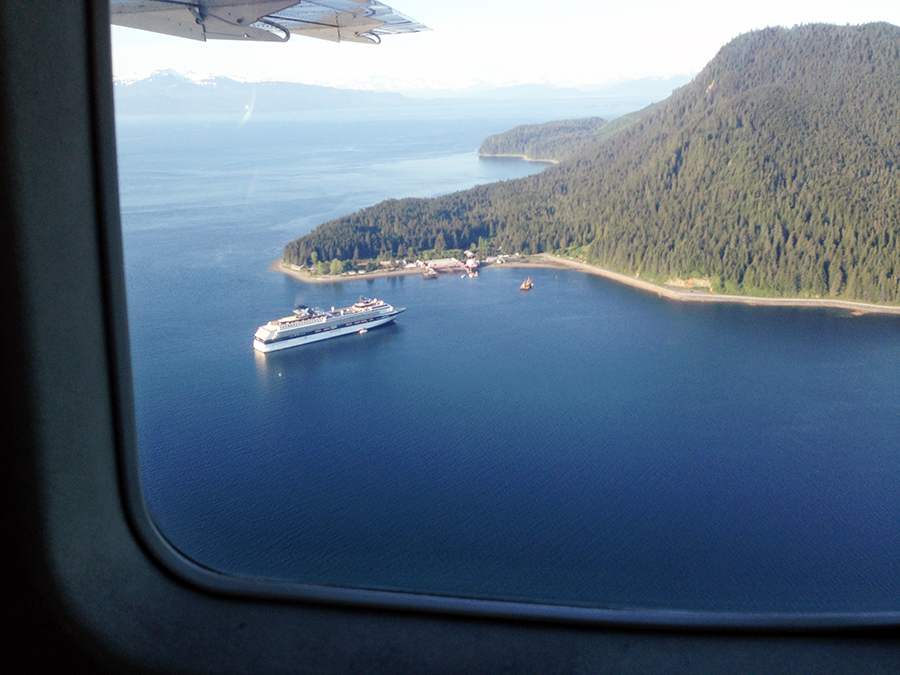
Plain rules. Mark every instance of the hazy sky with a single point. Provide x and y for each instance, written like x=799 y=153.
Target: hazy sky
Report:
x=501 y=42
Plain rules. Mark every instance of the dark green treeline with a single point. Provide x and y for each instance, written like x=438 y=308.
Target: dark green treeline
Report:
x=555 y=141
x=774 y=172
x=558 y=141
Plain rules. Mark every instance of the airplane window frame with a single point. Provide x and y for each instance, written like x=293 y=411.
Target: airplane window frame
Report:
x=85 y=586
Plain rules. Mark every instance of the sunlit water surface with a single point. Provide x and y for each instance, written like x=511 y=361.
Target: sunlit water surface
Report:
x=583 y=443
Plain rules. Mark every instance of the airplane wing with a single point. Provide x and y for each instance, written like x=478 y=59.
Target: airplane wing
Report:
x=267 y=20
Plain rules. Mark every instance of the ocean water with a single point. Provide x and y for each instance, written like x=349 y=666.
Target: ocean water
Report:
x=583 y=443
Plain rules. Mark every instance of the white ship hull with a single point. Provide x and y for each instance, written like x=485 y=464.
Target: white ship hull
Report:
x=365 y=315
x=316 y=337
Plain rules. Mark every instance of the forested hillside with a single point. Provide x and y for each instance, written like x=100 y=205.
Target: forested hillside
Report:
x=552 y=141
x=774 y=172
x=557 y=141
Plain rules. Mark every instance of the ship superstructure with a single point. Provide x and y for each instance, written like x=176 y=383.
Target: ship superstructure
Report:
x=313 y=324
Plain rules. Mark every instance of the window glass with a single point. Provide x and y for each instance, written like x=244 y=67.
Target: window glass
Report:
x=585 y=443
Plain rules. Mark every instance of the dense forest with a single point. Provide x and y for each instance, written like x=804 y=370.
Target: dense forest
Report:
x=552 y=141
x=775 y=172
x=557 y=141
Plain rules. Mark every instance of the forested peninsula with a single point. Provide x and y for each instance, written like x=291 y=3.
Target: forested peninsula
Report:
x=774 y=173
x=549 y=142
x=556 y=141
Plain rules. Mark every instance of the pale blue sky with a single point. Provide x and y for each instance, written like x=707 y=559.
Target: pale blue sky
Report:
x=501 y=42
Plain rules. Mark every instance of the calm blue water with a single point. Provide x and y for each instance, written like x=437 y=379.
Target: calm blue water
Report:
x=582 y=443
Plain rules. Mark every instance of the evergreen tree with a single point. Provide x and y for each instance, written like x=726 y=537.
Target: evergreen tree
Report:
x=776 y=171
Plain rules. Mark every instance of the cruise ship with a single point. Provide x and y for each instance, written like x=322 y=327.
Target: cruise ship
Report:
x=311 y=324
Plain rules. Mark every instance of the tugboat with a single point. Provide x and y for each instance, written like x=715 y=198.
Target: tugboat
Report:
x=527 y=285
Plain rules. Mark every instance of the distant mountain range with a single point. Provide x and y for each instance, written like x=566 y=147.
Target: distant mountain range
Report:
x=776 y=171
x=171 y=92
